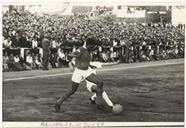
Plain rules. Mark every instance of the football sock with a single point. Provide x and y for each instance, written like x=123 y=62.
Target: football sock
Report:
x=106 y=98
x=93 y=97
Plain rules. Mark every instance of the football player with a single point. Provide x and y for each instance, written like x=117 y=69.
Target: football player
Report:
x=84 y=71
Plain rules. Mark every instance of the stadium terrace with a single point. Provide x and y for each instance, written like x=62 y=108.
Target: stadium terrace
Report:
x=129 y=40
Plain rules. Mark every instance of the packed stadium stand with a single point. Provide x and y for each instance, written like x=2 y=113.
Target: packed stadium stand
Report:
x=116 y=39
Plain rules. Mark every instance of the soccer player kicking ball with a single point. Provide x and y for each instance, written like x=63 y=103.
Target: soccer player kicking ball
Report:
x=83 y=71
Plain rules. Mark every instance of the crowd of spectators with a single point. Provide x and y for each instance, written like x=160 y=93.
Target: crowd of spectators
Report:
x=127 y=42
x=33 y=60
x=18 y=63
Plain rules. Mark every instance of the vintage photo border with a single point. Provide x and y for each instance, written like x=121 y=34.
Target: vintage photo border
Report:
x=85 y=124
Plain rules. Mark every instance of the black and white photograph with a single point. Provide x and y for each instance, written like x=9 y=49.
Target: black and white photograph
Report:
x=94 y=63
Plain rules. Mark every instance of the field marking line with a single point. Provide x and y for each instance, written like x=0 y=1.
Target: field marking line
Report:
x=142 y=66
x=102 y=70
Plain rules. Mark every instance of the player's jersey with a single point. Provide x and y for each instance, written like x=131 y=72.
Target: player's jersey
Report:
x=83 y=58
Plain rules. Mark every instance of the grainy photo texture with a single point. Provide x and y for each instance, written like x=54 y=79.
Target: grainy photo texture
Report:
x=93 y=62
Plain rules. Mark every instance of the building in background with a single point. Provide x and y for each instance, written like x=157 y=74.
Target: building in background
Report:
x=148 y=14
x=178 y=15
x=11 y=8
x=123 y=11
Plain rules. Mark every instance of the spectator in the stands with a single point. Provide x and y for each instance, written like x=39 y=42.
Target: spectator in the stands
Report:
x=54 y=43
x=17 y=63
x=34 y=60
x=34 y=43
x=15 y=40
x=62 y=59
x=38 y=61
x=113 y=56
x=11 y=62
x=104 y=56
x=24 y=41
x=46 y=50
x=5 y=62
x=7 y=43
x=23 y=63
x=29 y=60
x=53 y=60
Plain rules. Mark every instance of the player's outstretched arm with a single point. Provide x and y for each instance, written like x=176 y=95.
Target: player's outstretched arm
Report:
x=110 y=63
x=92 y=66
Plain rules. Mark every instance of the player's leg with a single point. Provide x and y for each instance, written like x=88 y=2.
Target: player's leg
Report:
x=69 y=93
x=104 y=95
x=89 y=88
x=66 y=96
x=96 y=80
x=93 y=97
x=76 y=79
x=107 y=99
x=93 y=88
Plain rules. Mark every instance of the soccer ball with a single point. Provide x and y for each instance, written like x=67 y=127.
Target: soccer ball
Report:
x=117 y=109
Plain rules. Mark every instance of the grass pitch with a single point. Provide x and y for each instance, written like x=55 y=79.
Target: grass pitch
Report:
x=146 y=94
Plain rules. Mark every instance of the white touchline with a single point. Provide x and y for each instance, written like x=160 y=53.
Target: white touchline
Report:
x=102 y=70
x=141 y=66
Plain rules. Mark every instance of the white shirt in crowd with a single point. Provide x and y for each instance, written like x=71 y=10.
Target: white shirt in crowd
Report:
x=151 y=52
x=104 y=56
x=122 y=42
x=100 y=48
x=29 y=59
x=54 y=44
x=74 y=49
x=61 y=54
x=176 y=50
x=13 y=32
x=37 y=61
x=16 y=59
x=7 y=43
x=114 y=43
x=113 y=55
x=34 y=43
x=144 y=43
